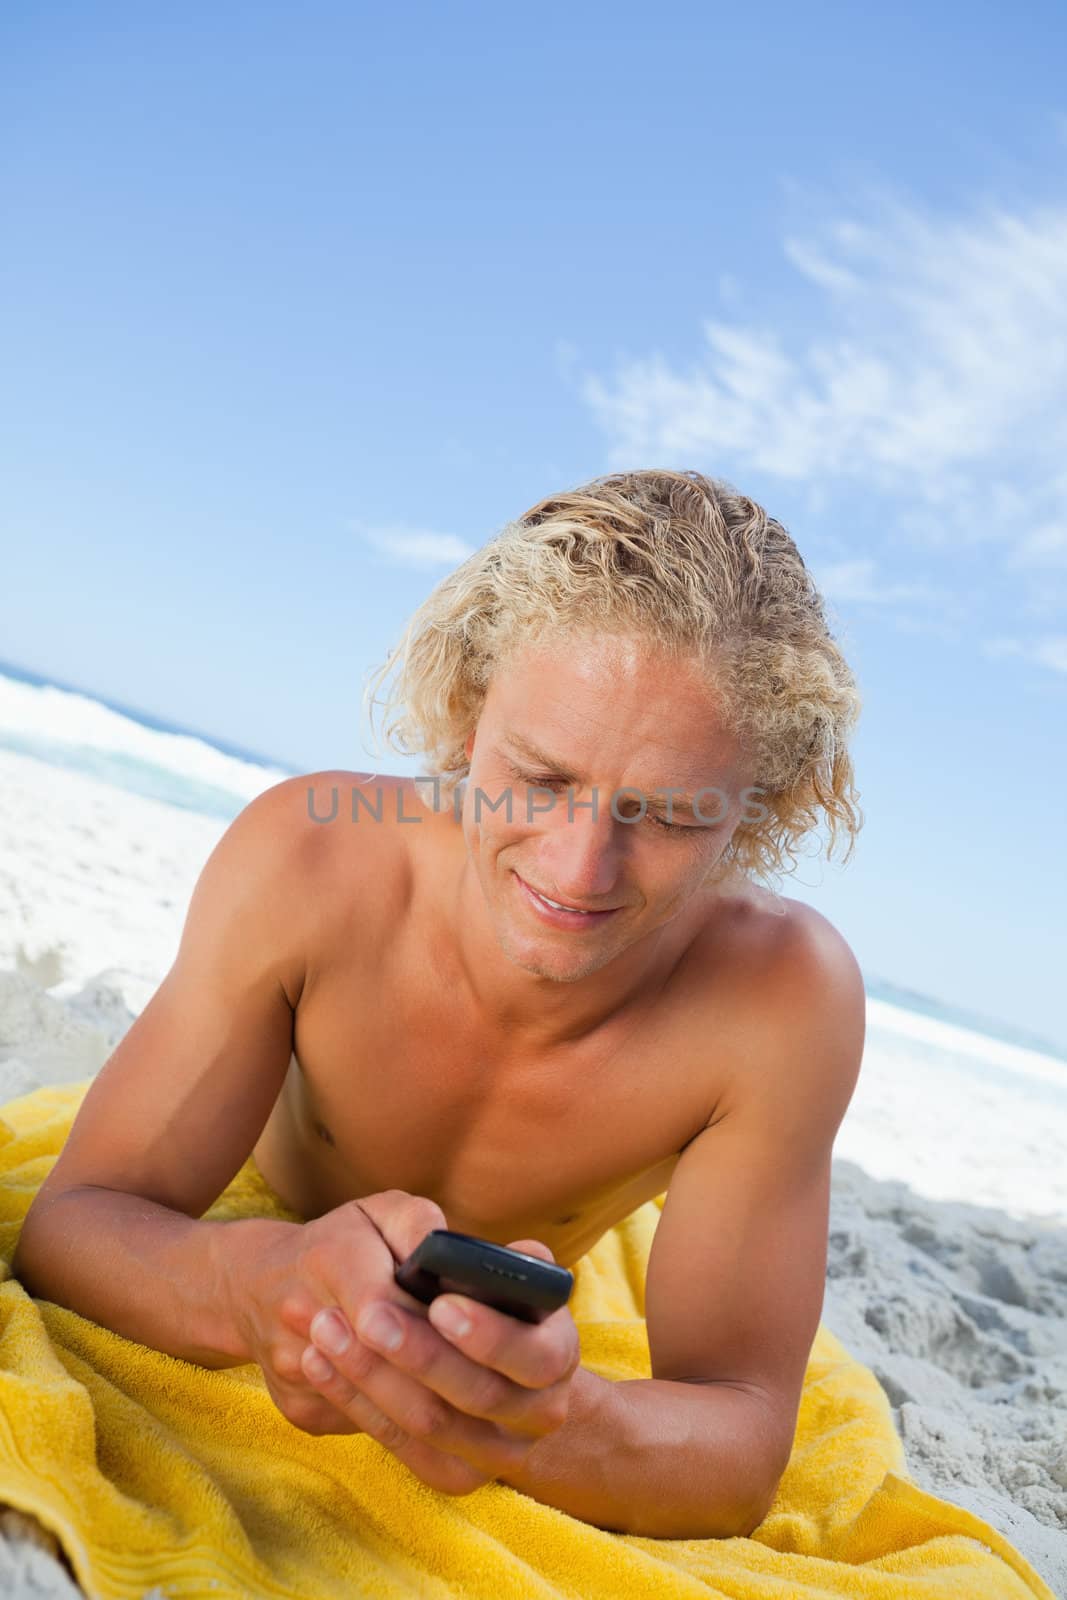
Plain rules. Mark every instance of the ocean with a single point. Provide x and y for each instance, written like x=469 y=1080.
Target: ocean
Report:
x=71 y=729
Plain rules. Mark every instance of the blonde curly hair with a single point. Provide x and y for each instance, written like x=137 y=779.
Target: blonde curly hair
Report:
x=700 y=570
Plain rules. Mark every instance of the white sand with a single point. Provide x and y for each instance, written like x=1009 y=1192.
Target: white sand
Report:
x=948 y=1237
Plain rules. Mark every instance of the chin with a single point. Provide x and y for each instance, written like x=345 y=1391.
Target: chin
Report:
x=557 y=966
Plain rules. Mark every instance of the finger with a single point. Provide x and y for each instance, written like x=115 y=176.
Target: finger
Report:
x=350 y=1400
x=531 y=1357
x=532 y=1247
x=396 y=1408
x=308 y=1410
x=440 y=1469
x=469 y=1386
x=288 y=1387
x=402 y=1219
x=534 y=1356
x=449 y=1473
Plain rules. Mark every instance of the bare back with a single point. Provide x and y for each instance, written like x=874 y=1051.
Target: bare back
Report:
x=394 y=1082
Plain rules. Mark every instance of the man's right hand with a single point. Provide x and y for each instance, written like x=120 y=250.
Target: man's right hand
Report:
x=332 y=1266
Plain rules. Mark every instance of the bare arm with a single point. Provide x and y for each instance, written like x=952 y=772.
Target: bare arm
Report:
x=115 y=1231
x=648 y=1456
x=735 y=1282
x=166 y=1280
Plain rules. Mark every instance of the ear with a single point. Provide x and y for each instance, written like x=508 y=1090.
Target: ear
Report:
x=468 y=746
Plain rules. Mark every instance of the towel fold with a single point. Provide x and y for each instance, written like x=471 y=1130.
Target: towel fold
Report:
x=154 y=1472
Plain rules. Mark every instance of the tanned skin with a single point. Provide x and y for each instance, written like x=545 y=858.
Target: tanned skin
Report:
x=380 y=1013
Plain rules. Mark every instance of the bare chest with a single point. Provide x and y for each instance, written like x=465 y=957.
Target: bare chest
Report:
x=400 y=1094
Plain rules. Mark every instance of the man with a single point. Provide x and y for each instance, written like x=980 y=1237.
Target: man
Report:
x=385 y=1002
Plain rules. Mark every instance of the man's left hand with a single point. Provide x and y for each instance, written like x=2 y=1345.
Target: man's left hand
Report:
x=457 y=1409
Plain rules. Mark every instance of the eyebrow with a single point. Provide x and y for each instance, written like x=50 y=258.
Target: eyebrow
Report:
x=679 y=801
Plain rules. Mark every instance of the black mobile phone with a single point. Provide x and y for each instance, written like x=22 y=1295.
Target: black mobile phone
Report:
x=508 y=1280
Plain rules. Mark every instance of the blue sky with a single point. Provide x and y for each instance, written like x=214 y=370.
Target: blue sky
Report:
x=301 y=303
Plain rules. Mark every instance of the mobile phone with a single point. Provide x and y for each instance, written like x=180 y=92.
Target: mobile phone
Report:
x=508 y=1280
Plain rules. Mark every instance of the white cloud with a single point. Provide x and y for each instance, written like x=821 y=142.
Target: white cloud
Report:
x=860 y=580
x=1052 y=652
x=418 y=547
x=996 y=648
x=1044 y=546
x=1048 y=651
x=946 y=350
x=814 y=265
x=937 y=378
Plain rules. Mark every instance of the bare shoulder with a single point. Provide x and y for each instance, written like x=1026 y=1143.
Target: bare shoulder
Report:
x=776 y=952
x=339 y=855
x=796 y=1015
x=799 y=936
x=336 y=817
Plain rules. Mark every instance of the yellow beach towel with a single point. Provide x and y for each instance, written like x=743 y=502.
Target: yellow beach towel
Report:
x=153 y=1472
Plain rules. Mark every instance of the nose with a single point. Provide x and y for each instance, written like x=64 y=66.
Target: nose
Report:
x=580 y=857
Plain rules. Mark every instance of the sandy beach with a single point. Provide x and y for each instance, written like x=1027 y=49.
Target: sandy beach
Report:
x=947 y=1270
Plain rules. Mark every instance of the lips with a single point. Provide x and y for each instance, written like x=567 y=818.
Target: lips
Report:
x=562 y=916
x=558 y=905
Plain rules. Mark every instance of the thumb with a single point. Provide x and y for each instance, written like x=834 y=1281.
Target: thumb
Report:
x=532 y=1247
x=402 y=1219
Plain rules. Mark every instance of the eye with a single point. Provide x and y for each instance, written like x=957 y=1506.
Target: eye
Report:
x=544 y=782
x=673 y=827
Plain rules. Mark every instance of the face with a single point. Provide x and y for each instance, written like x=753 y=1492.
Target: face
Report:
x=613 y=721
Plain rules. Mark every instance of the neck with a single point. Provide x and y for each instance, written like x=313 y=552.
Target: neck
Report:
x=537 y=1011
